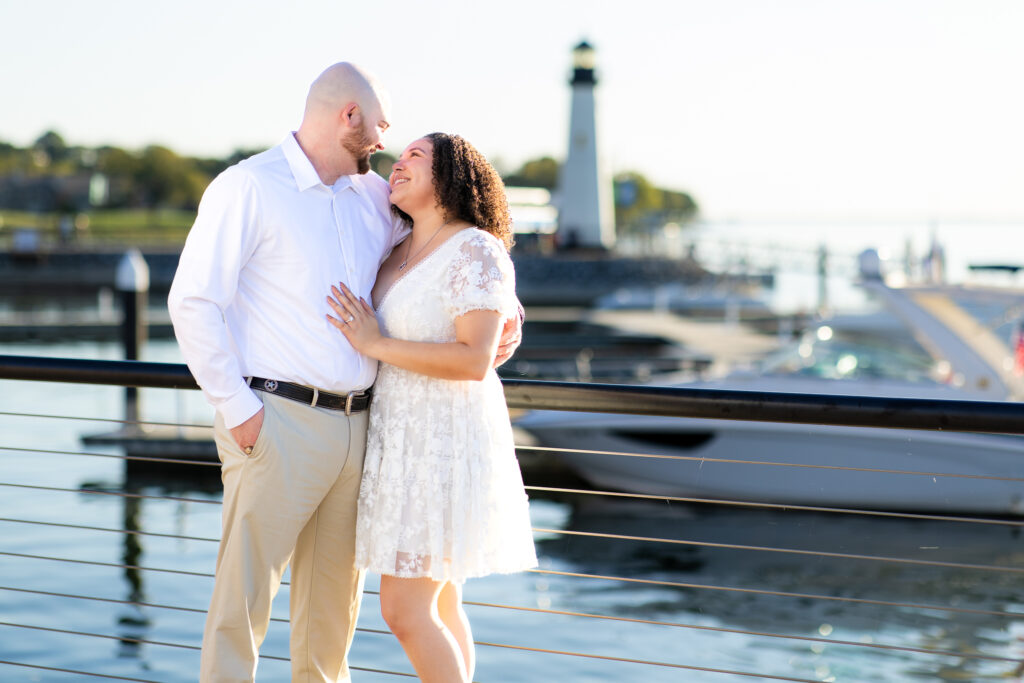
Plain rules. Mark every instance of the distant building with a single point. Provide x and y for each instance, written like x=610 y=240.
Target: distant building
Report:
x=534 y=218
x=586 y=215
x=47 y=193
x=532 y=211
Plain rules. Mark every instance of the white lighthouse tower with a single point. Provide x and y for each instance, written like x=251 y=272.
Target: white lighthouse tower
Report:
x=586 y=216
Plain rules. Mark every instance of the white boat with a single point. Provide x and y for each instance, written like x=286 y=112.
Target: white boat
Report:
x=924 y=345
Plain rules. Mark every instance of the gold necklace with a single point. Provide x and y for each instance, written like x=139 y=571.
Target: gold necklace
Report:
x=405 y=261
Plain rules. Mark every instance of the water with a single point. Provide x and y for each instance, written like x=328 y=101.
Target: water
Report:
x=727 y=620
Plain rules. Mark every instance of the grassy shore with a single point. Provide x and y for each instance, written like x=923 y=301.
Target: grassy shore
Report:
x=126 y=226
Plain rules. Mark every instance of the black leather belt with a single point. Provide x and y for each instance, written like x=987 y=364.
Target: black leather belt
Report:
x=352 y=402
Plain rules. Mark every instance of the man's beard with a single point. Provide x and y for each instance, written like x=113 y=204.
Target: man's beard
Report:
x=360 y=147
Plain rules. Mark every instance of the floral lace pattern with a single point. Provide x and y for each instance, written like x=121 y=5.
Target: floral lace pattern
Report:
x=441 y=495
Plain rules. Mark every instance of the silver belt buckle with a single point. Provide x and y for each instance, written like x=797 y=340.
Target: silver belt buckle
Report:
x=348 y=402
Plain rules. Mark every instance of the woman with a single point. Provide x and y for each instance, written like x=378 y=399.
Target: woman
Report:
x=442 y=498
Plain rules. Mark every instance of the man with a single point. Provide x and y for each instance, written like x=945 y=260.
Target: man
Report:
x=248 y=304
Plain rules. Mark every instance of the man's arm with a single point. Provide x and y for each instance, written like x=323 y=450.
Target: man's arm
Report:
x=222 y=239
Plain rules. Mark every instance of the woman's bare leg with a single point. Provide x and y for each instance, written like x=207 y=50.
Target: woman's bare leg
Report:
x=449 y=605
x=410 y=608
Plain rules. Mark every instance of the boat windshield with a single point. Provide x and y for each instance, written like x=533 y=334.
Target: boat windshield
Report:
x=831 y=354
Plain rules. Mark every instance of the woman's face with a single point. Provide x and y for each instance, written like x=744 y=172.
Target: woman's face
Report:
x=412 y=177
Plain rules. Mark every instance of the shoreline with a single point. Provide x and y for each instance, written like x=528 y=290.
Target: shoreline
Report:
x=561 y=279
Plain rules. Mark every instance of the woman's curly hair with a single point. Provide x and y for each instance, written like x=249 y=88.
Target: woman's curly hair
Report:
x=467 y=187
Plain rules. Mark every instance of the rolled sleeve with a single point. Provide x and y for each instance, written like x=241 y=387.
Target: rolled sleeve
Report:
x=240 y=407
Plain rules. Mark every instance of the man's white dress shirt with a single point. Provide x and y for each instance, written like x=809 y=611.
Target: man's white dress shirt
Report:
x=249 y=297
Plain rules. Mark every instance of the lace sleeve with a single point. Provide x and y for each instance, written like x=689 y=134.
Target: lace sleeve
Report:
x=481 y=277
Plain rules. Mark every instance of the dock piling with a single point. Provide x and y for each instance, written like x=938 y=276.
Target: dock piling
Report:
x=132 y=283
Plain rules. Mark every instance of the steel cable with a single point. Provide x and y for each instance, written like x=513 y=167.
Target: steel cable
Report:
x=114 y=565
x=751 y=591
x=116 y=494
x=689 y=458
x=127 y=639
x=106 y=419
x=153 y=605
x=133 y=532
x=609 y=658
x=618 y=494
x=144 y=641
x=655 y=582
x=768 y=463
x=720 y=629
x=650 y=539
x=784 y=594
x=770 y=634
x=792 y=551
x=40 y=667
x=670 y=584
x=781 y=506
x=115 y=456
x=566 y=653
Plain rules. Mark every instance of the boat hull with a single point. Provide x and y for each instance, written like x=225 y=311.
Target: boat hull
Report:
x=784 y=463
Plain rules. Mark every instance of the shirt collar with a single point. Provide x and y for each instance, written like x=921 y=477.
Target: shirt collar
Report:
x=304 y=173
x=346 y=181
x=302 y=168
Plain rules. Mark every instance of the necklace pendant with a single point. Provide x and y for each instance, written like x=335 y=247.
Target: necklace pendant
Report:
x=401 y=266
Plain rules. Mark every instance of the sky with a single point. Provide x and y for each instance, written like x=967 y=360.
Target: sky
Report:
x=789 y=109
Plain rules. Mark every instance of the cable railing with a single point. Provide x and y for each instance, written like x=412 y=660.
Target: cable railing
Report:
x=803 y=596
x=1004 y=418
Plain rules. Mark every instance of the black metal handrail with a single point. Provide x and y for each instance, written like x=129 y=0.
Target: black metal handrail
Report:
x=759 y=406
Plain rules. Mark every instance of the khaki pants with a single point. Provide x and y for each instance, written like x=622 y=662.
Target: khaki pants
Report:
x=292 y=500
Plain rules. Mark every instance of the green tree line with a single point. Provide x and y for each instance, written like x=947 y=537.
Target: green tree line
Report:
x=153 y=177
x=156 y=177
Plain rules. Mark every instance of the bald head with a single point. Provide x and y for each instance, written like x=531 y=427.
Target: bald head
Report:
x=342 y=84
x=344 y=121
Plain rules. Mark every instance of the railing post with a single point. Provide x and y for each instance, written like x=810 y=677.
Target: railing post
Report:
x=132 y=281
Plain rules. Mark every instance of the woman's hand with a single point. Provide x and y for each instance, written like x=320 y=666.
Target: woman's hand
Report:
x=511 y=338
x=356 y=319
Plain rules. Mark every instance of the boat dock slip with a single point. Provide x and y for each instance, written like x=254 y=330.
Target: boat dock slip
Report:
x=728 y=344
x=55 y=325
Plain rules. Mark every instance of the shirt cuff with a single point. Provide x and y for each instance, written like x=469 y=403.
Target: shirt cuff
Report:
x=239 y=407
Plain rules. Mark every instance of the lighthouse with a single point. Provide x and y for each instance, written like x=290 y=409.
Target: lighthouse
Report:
x=586 y=216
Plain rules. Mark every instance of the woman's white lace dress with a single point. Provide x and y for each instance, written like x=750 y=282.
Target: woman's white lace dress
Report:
x=441 y=495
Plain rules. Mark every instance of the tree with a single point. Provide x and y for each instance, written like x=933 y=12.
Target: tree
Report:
x=381 y=163
x=639 y=205
x=120 y=168
x=168 y=179
x=542 y=172
x=52 y=145
x=11 y=158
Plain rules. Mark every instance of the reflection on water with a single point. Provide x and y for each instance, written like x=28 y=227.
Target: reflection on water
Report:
x=914 y=587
